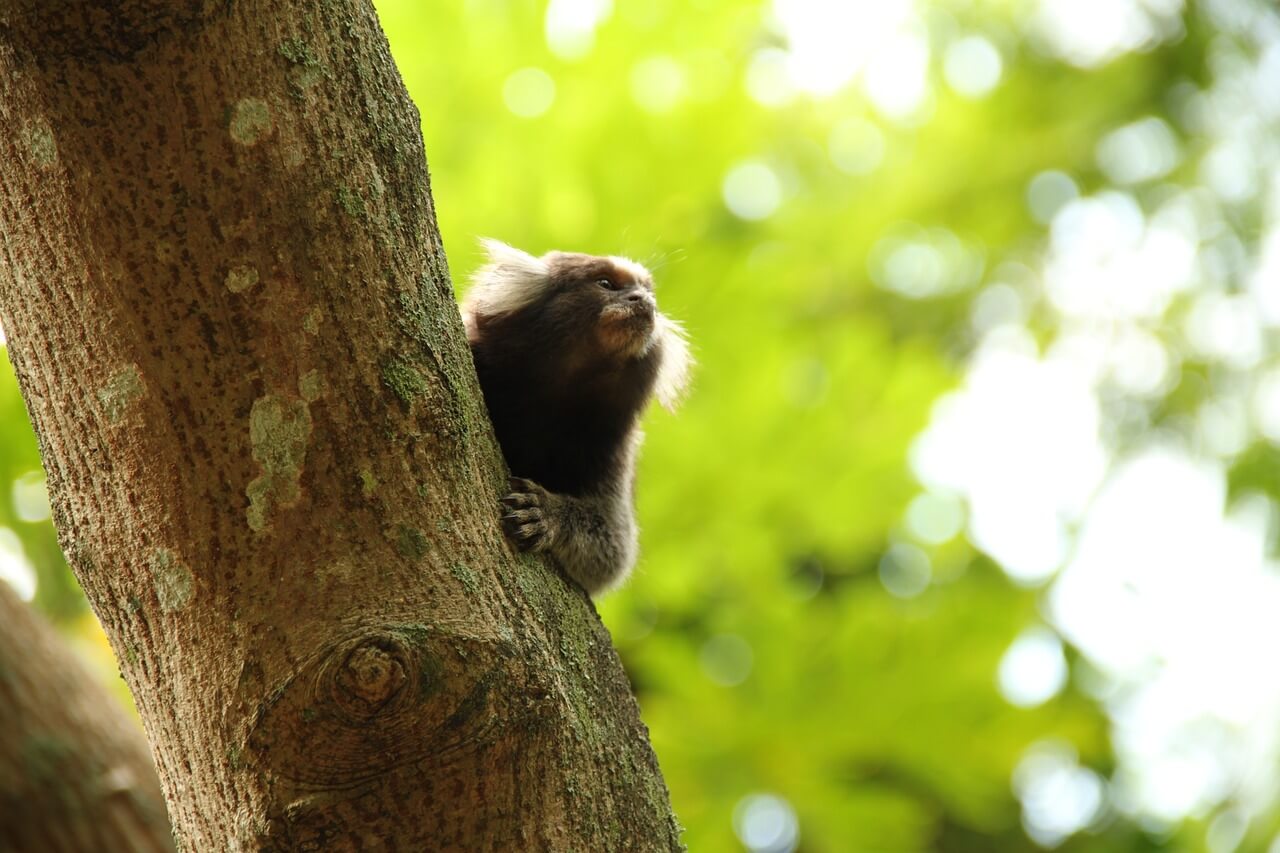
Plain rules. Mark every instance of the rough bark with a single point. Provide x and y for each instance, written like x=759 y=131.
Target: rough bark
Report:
x=229 y=312
x=75 y=774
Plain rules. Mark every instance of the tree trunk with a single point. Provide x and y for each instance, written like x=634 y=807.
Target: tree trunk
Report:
x=270 y=464
x=75 y=773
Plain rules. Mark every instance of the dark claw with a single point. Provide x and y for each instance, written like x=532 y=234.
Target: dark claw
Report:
x=526 y=515
x=521 y=485
x=519 y=501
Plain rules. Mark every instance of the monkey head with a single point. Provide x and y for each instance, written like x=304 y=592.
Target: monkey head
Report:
x=579 y=312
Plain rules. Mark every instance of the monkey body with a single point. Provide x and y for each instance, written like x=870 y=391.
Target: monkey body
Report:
x=569 y=349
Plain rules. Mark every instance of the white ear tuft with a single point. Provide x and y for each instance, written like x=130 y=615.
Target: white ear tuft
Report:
x=511 y=280
x=673 y=373
x=501 y=254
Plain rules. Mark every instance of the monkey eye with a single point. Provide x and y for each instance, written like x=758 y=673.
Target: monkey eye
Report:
x=607 y=284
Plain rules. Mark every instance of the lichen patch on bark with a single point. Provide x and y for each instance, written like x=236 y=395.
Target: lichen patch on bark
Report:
x=304 y=78
x=340 y=570
x=311 y=322
x=279 y=429
x=174 y=583
x=123 y=388
x=250 y=121
x=41 y=143
x=466 y=577
x=311 y=385
x=404 y=379
x=241 y=277
x=368 y=482
x=411 y=542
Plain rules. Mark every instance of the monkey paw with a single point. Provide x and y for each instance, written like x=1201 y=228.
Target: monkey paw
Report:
x=527 y=520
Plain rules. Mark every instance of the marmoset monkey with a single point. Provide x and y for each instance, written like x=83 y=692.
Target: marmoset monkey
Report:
x=569 y=349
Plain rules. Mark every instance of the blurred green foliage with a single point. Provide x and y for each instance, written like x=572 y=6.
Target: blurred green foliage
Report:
x=25 y=529
x=768 y=653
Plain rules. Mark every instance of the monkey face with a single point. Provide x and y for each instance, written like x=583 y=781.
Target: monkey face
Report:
x=627 y=321
x=613 y=297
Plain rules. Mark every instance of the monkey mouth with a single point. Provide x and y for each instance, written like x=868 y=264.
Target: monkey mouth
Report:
x=629 y=327
x=638 y=314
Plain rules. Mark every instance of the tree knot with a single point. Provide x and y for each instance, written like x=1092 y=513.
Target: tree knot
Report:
x=370 y=677
x=388 y=696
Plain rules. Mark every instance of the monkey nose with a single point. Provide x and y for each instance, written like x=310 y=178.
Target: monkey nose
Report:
x=642 y=306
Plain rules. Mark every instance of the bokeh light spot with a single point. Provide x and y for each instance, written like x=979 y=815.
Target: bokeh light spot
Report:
x=752 y=190
x=570 y=26
x=1048 y=192
x=14 y=566
x=1225 y=328
x=972 y=66
x=998 y=304
x=1089 y=33
x=828 y=43
x=905 y=571
x=726 y=659
x=31 y=497
x=658 y=84
x=897 y=79
x=935 y=517
x=1138 y=152
x=766 y=823
x=924 y=263
x=1231 y=170
x=1059 y=797
x=856 y=146
x=529 y=92
x=768 y=78
x=1034 y=669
